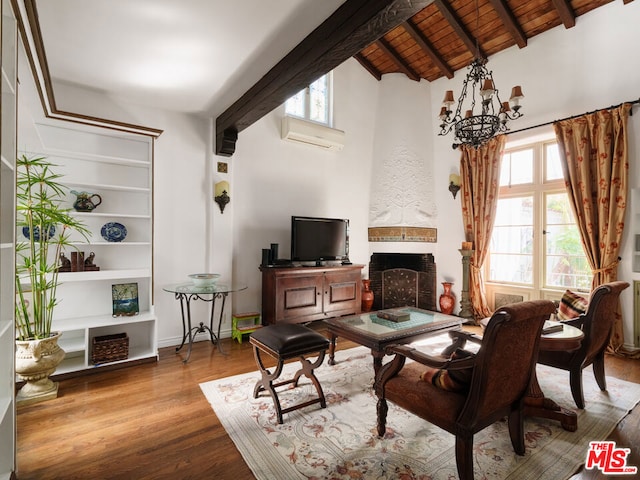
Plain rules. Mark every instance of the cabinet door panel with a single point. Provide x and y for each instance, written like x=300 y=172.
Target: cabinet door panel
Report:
x=341 y=292
x=299 y=296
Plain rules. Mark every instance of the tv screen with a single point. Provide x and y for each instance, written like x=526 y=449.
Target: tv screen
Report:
x=318 y=239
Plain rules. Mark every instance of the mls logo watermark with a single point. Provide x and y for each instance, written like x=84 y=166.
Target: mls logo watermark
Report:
x=609 y=459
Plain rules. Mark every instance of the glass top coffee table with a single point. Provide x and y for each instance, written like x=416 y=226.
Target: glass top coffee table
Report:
x=377 y=333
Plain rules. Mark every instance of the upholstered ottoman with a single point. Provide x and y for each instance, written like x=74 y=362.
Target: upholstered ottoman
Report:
x=284 y=341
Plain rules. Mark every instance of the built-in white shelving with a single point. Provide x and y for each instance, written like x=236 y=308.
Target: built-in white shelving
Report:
x=8 y=108
x=118 y=167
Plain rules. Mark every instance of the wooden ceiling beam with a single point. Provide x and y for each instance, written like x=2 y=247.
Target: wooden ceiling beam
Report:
x=426 y=46
x=510 y=22
x=565 y=12
x=386 y=47
x=368 y=66
x=450 y=15
x=353 y=26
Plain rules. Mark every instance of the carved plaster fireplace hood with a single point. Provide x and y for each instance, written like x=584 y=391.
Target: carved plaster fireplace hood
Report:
x=402 y=185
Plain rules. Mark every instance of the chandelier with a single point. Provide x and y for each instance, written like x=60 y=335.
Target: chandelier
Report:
x=482 y=122
x=490 y=117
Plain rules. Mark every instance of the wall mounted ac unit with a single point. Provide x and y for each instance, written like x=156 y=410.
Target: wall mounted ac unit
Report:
x=302 y=131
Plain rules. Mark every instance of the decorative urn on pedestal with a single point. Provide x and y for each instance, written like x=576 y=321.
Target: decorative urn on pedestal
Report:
x=35 y=361
x=367 y=296
x=447 y=300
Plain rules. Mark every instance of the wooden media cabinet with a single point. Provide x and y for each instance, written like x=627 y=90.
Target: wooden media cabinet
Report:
x=305 y=294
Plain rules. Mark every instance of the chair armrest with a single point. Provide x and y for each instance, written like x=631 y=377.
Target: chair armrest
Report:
x=460 y=338
x=416 y=355
x=577 y=322
x=402 y=352
x=429 y=360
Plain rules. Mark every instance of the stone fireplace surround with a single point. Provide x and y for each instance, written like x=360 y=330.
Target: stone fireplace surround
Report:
x=403 y=279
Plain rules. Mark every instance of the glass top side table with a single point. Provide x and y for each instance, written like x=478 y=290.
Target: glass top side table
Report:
x=185 y=293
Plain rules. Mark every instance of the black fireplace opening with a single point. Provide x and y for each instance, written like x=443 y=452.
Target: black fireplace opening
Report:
x=403 y=279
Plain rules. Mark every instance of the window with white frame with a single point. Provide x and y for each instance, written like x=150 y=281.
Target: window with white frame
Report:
x=314 y=102
x=535 y=241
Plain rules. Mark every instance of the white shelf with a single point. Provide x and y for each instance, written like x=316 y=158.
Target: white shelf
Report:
x=68 y=277
x=75 y=345
x=103 y=275
x=5 y=325
x=109 y=215
x=99 y=321
x=6 y=164
x=6 y=403
x=7 y=86
x=100 y=186
x=111 y=244
x=88 y=157
x=71 y=364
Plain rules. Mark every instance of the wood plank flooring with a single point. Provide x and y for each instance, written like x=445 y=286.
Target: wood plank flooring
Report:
x=152 y=421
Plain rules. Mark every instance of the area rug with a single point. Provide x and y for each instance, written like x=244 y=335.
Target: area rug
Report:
x=340 y=441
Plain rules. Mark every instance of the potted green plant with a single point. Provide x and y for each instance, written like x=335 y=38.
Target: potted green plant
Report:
x=46 y=226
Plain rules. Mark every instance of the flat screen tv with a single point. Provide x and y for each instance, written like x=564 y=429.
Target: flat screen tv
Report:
x=317 y=240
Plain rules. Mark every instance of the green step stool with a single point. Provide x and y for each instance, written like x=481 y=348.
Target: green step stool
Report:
x=243 y=323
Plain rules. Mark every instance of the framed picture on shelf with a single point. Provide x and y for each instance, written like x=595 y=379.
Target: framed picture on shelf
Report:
x=125 y=299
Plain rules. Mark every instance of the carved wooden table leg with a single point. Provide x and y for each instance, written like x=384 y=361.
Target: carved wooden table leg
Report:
x=332 y=350
x=377 y=361
x=537 y=405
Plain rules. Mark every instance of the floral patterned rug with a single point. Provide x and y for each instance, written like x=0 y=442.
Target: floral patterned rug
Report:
x=340 y=441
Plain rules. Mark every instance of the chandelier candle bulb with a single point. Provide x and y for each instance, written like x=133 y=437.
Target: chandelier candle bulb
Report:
x=448 y=98
x=487 y=88
x=516 y=94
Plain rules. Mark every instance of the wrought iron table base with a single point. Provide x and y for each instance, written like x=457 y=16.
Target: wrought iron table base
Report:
x=190 y=332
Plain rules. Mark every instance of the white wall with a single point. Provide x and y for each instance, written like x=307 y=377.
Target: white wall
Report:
x=563 y=72
x=275 y=179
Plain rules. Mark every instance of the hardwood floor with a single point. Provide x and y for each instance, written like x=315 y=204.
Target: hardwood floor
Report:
x=152 y=422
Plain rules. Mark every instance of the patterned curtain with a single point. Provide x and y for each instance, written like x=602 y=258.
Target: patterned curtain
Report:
x=480 y=182
x=594 y=156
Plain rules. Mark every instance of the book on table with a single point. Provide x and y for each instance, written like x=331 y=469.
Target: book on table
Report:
x=551 y=327
x=394 y=315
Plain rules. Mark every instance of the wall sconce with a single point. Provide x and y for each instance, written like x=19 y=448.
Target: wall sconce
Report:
x=454 y=184
x=222 y=195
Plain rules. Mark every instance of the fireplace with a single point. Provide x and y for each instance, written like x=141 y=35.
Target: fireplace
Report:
x=403 y=279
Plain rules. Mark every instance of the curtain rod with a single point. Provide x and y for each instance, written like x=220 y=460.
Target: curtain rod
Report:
x=632 y=102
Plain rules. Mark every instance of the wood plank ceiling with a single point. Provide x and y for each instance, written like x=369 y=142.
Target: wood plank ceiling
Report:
x=440 y=38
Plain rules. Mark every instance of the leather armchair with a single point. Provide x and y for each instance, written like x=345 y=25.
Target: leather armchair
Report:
x=596 y=323
x=500 y=379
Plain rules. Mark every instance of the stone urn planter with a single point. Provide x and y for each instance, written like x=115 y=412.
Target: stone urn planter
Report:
x=36 y=360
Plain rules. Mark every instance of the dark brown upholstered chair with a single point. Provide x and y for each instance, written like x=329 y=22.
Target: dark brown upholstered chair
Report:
x=596 y=323
x=500 y=381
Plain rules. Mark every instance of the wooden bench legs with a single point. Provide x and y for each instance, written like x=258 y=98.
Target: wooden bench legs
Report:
x=266 y=383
